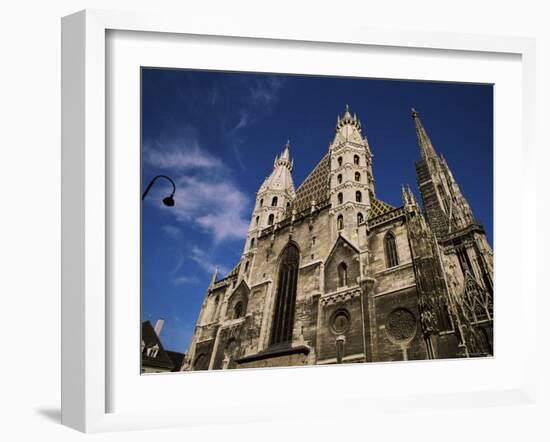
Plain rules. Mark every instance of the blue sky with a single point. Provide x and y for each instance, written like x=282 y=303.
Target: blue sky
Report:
x=217 y=133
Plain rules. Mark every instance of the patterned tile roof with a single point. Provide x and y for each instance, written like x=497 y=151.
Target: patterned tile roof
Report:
x=315 y=187
x=379 y=208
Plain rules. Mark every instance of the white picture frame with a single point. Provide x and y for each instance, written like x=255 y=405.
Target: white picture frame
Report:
x=87 y=207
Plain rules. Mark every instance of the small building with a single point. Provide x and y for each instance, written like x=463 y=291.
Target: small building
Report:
x=154 y=358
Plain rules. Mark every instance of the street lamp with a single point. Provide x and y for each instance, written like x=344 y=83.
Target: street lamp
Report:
x=340 y=342
x=169 y=200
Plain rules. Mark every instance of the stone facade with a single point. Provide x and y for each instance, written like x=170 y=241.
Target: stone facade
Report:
x=330 y=274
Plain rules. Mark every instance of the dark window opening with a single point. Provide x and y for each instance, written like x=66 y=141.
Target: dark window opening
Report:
x=274 y=201
x=358 y=197
x=390 y=250
x=283 y=318
x=356 y=160
x=342 y=275
x=238 y=310
x=340 y=222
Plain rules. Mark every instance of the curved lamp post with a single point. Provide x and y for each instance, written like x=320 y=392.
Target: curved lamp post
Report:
x=169 y=200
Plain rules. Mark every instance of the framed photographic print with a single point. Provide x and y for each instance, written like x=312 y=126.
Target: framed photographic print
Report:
x=250 y=214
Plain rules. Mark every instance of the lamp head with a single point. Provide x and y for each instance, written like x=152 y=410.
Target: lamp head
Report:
x=169 y=201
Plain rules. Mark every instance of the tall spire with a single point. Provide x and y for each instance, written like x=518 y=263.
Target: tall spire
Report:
x=426 y=148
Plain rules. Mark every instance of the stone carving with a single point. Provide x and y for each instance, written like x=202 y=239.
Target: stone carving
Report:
x=340 y=297
x=401 y=325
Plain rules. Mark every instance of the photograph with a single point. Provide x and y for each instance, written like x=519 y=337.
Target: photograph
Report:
x=298 y=220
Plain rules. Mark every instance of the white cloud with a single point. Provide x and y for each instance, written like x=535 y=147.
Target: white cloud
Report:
x=179 y=280
x=205 y=195
x=172 y=231
x=265 y=91
x=182 y=154
x=244 y=121
x=215 y=205
x=204 y=260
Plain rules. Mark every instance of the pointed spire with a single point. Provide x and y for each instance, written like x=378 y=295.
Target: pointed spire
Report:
x=404 y=195
x=214 y=277
x=348 y=118
x=284 y=158
x=426 y=148
x=286 y=152
x=411 y=195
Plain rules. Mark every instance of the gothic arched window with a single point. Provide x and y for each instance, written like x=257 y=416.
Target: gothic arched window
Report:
x=340 y=161
x=357 y=176
x=340 y=222
x=214 y=308
x=238 y=310
x=342 y=275
x=390 y=250
x=356 y=160
x=359 y=218
x=340 y=198
x=201 y=362
x=270 y=219
x=246 y=267
x=252 y=243
x=339 y=178
x=261 y=202
x=257 y=220
x=274 y=201
x=358 y=197
x=283 y=317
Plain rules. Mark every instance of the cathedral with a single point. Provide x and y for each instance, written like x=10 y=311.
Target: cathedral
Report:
x=331 y=274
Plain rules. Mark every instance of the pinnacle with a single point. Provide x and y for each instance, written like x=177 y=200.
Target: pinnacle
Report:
x=348 y=118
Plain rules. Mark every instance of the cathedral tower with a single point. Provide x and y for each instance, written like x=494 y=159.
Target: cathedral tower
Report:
x=446 y=208
x=351 y=180
x=273 y=200
x=463 y=247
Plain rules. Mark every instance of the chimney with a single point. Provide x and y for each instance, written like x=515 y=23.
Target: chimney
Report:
x=158 y=326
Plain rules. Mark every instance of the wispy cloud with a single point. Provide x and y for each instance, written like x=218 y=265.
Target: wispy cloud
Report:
x=180 y=280
x=172 y=231
x=257 y=98
x=182 y=153
x=213 y=95
x=265 y=91
x=204 y=260
x=243 y=122
x=217 y=206
x=206 y=195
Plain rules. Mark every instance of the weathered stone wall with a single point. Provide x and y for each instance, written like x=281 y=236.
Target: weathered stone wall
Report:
x=344 y=253
x=376 y=245
x=400 y=339
x=341 y=314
